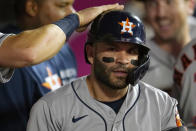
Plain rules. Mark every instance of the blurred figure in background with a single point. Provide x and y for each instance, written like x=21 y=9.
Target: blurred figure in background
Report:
x=169 y=21
x=185 y=84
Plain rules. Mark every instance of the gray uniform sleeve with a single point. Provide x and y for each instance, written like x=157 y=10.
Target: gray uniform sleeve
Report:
x=42 y=118
x=5 y=73
x=2 y=37
x=171 y=118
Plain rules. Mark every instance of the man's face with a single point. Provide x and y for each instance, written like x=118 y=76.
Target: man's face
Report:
x=167 y=17
x=52 y=10
x=114 y=74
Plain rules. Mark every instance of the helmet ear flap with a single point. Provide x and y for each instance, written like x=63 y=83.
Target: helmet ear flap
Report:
x=143 y=55
x=138 y=73
x=143 y=64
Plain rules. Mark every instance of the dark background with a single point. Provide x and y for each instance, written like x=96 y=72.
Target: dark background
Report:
x=6 y=12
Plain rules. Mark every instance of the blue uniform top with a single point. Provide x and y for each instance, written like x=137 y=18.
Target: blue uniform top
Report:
x=29 y=84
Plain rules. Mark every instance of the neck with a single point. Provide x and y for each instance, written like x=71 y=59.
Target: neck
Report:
x=101 y=92
x=175 y=45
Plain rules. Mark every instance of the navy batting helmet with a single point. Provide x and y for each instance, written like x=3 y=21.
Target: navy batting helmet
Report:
x=121 y=26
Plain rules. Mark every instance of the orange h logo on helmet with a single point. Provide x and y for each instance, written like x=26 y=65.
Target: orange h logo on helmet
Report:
x=127 y=26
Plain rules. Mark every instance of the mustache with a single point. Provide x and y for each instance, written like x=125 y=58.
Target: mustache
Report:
x=120 y=67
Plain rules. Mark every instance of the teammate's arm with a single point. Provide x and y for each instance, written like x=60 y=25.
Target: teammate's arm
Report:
x=34 y=46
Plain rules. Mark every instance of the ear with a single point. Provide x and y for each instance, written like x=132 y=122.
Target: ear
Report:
x=89 y=52
x=31 y=7
x=190 y=7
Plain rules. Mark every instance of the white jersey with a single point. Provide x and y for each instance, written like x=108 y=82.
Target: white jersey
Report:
x=185 y=78
x=5 y=73
x=160 y=73
x=71 y=108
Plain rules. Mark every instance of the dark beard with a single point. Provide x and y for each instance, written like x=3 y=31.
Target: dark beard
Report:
x=102 y=74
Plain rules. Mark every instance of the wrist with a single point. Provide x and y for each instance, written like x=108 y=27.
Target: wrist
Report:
x=68 y=24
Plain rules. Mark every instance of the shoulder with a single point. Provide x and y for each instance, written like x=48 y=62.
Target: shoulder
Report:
x=185 y=62
x=63 y=94
x=61 y=101
x=189 y=49
x=155 y=94
x=160 y=103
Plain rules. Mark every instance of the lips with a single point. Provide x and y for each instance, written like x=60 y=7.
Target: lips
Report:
x=164 y=24
x=120 y=72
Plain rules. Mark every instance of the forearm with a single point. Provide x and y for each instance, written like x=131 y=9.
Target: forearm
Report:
x=31 y=47
x=34 y=46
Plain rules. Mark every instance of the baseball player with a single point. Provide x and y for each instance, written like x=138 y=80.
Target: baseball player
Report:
x=185 y=81
x=111 y=98
x=168 y=18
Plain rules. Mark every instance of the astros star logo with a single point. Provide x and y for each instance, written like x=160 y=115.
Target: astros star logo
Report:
x=127 y=26
x=53 y=81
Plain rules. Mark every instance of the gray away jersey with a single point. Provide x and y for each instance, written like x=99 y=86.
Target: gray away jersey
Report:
x=71 y=108
x=185 y=78
x=5 y=73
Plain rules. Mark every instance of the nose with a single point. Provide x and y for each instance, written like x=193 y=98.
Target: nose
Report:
x=122 y=58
